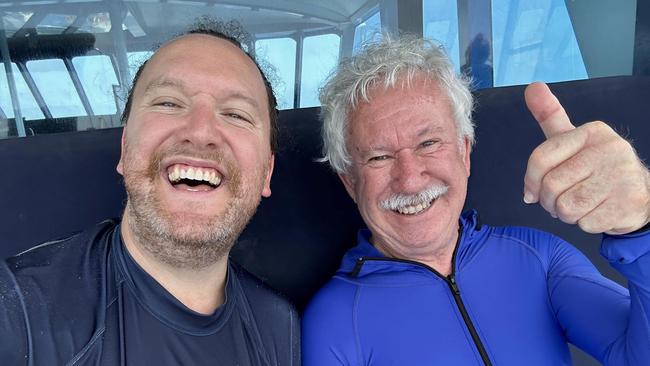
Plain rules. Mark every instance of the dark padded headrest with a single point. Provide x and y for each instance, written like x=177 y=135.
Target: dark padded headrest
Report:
x=58 y=184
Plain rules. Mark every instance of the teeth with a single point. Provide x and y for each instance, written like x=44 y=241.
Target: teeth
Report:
x=412 y=210
x=208 y=175
x=176 y=174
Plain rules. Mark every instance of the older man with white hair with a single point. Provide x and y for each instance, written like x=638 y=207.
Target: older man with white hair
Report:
x=428 y=286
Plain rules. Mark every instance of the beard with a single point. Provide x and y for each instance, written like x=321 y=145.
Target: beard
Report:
x=188 y=239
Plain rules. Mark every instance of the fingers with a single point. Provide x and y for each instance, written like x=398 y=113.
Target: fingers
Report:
x=580 y=199
x=558 y=181
x=547 y=110
x=549 y=155
x=587 y=175
x=609 y=217
x=603 y=188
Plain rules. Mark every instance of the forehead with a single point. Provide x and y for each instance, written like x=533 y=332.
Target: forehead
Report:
x=406 y=109
x=204 y=63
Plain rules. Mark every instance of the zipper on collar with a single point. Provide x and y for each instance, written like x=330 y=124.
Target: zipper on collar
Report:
x=453 y=286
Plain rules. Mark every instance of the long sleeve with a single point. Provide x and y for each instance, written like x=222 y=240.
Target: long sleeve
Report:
x=597 y=315
x=14 y=349
x=630 y=255
x=328 y=327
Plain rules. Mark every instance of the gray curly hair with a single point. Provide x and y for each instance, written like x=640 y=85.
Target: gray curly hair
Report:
x=385 y=63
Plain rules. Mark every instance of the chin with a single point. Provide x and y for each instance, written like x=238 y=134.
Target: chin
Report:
x=192 y=225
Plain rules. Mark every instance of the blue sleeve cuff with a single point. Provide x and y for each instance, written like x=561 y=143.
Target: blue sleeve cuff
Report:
x=627 y=248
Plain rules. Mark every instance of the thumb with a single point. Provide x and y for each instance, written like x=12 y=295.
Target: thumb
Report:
x=547 y=110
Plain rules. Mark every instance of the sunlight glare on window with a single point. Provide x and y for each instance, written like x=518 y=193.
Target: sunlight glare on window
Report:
x=320 y=54
x=367 y=31
x=54 y=83
x=280 y=53
x=55 y=23
x=97 y=23
x=135 y=59
x=440 y=24
x=14 y=20
x=534 y=41
x=28 y=107
x=97 y=77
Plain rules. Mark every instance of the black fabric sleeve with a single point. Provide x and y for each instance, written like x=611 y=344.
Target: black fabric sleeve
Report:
x=14 y=323
x=276 y=320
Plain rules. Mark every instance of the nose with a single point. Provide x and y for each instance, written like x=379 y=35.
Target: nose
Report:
x=409 y=172
x=202 y=127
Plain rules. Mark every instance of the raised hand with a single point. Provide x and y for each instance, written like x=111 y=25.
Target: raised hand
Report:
x=588 y=175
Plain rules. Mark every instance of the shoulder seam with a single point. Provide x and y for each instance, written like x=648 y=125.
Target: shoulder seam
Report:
x=525 y=245
x=545 y=267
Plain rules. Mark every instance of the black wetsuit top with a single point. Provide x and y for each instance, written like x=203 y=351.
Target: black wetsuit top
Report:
x=85 y=301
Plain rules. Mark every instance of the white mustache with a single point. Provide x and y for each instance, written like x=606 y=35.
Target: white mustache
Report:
x=400 y=200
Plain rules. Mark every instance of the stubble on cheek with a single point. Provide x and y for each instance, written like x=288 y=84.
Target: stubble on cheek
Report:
x=233 y=176
x=184 y=239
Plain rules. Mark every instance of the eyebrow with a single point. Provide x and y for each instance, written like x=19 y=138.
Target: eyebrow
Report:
x=164 y=83
x=380 y=148
x=241 y=96
x=427 y=130
x=180 y=85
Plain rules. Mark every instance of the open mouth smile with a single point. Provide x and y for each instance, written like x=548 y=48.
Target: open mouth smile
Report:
x=193 y=178
x=414 y=209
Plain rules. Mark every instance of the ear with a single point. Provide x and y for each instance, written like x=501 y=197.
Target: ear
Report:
x=349 y=183
x=266 y=191
x=120 y=164
x=466 y=155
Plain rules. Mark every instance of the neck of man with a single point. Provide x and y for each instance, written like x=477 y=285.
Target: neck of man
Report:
x=200 y=289
x=442 y=262
x=438 y=256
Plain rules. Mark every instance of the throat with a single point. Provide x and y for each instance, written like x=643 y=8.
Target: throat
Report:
x=200 y=288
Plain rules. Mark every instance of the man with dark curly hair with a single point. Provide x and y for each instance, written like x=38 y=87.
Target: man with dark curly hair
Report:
x=157 y=288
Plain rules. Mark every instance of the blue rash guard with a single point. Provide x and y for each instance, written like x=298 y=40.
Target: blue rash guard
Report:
x=85 y=301
x=516 y=296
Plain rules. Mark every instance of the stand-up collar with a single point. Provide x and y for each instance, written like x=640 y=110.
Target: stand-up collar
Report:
x=469 y=224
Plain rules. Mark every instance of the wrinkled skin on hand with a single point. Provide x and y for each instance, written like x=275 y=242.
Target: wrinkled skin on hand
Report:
x=587 y=175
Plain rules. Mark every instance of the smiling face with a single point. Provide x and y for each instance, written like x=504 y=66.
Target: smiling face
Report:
x=196 y=155
x=409 y=173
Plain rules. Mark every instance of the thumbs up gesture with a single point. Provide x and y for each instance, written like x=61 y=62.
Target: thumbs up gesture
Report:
x=587 y=175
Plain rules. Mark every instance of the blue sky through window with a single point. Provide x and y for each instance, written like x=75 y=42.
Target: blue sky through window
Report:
x=97 y=77
x=534 y=40
x=281 y=54
x=367 y=31
x=440 y=23
x=320 y=54
x=53 y=81
x=28 y=106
